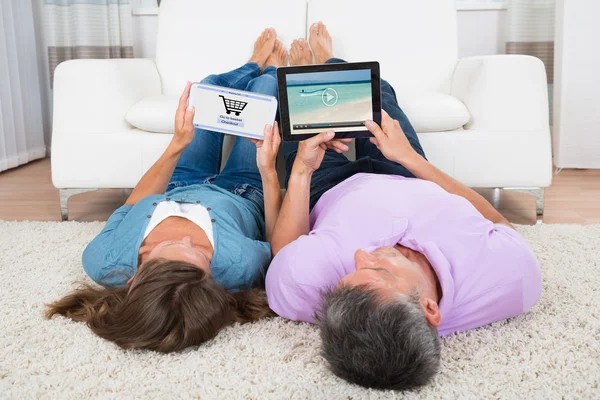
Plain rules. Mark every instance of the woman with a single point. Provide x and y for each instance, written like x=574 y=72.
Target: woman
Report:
x=180 y=259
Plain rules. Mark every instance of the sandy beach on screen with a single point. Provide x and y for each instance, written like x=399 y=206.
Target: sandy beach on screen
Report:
x=359 y=110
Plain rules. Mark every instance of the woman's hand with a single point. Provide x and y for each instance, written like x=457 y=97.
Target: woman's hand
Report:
x=391 y=140
x=184 y=126
x=311 y=151
x=266 y=149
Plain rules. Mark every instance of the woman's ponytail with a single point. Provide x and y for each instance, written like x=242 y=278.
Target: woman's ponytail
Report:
x=251 y=305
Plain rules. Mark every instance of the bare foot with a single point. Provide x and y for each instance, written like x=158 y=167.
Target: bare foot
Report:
x=263 y=47
x=300 y=53
x=278 y=57
x=320 y=43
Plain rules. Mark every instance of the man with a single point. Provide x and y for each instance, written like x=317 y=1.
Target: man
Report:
x=394 y=253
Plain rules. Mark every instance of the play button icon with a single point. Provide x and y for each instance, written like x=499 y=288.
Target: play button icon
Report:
x=329 y=97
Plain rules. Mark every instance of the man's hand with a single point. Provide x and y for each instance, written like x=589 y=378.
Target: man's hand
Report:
x=184 y=126
x=267 y=149
x=391 y=140
x=311 y=151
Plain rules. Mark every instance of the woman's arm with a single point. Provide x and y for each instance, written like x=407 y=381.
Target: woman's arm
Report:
x=266 y=161
x=391 y=140
x=156 y=179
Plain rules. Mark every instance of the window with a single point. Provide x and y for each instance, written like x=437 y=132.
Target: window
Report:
x=144 y=7
x=481 y=4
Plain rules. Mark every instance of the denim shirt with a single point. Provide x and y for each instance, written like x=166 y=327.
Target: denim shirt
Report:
x=240 y=258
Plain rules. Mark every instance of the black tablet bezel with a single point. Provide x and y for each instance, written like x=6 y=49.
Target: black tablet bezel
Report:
x=284 y=113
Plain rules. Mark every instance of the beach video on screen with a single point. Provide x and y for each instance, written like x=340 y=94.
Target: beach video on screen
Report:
x=337 y=100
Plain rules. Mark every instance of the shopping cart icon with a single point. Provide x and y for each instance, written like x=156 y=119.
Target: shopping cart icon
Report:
x=234 y=106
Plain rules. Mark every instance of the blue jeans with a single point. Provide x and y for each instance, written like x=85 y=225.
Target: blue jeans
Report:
x=336 y=168
x=201 y=160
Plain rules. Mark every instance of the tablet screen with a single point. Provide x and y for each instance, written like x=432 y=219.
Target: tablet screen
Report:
x=338 y=100
x=232 y=111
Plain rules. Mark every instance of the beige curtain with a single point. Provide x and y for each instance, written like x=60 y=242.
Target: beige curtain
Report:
x=87 y=29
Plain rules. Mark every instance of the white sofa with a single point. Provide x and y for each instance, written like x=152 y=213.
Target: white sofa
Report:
x=504 y=143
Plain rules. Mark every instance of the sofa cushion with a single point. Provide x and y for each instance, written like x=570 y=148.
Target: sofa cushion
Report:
x=435 y=112
x=154 y=114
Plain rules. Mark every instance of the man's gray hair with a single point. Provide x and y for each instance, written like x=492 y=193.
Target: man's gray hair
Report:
x=377 y=343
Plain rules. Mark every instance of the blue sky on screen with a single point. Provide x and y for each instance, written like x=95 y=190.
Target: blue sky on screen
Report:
x=318 y=78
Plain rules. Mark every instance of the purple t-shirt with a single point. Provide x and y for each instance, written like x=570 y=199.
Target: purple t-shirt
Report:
x=487 y=271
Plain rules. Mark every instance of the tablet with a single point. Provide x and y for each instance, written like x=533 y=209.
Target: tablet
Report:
x=232 y=111
x=319 y=98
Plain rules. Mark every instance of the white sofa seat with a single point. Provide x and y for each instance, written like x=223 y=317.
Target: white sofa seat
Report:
x=501 y=100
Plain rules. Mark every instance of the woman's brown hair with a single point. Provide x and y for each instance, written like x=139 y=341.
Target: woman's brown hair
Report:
x=169 y=306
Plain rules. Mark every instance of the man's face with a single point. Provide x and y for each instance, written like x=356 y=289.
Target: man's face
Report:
x=387 y=269
x=395 y=272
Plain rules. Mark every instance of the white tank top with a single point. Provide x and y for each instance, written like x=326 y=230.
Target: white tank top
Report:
x=196 y=213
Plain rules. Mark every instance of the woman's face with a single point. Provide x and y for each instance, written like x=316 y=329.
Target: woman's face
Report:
x=181 y=250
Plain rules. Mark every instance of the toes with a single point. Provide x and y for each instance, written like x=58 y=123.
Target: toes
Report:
x=314 y=28
x=262 y=37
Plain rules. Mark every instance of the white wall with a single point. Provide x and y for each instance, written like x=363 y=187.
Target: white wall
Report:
x=479 y=33
x=144 y=35
x=576 y=86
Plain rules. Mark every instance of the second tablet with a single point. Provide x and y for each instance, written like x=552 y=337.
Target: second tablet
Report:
x=319 y=98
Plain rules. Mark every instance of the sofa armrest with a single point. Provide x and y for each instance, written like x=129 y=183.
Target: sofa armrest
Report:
x=503 y=92
x=93 y=96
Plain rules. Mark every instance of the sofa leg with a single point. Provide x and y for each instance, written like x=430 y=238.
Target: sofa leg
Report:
x=538 y=193
x=65 y=194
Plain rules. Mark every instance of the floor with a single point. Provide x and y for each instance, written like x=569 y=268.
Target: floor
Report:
x=27 y=193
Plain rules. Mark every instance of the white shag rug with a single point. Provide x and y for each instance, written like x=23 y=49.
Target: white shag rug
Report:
x=553 y=351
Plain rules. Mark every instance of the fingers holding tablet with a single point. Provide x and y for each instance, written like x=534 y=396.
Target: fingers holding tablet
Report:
x=338 y=145
x=267 y=149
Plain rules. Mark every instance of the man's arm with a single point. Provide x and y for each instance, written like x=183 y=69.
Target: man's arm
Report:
x=391 y=140
x=294 y=217
x=293 y=220
x=156 y=179
x=272 y=195
x=266 y=161
x=422 y=169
